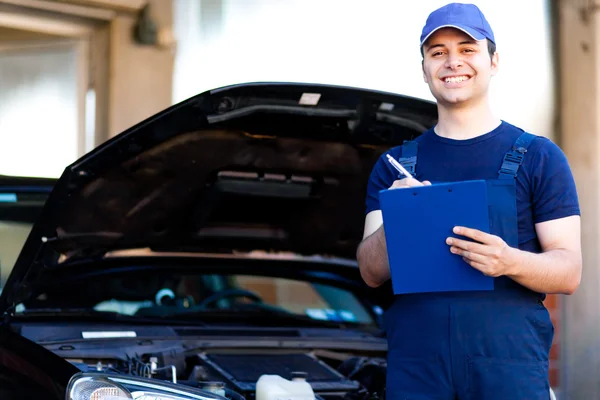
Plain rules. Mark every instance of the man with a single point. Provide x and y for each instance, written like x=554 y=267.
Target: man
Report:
x=489 y=344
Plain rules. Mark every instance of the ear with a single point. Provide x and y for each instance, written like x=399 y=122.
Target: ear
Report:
x=495 y=63
x=423 y=70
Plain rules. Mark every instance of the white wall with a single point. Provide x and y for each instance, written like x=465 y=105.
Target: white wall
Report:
x=363 y=43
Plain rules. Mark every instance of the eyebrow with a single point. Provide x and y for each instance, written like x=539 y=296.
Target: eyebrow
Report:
x=433 y=46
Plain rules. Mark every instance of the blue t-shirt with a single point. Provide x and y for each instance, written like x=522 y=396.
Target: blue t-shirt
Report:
x=545 y=185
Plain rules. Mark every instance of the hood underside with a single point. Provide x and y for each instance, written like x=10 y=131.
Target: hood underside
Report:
x=256 y=166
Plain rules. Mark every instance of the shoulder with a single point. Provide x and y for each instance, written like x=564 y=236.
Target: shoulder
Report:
x=545 y=166
x=542 y=151
x=548 y=179
x=399 y=150
x=382 y=171
x=538 y=146
x=546 y=159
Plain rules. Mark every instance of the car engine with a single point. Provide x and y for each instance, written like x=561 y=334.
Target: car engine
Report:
x=234 y=374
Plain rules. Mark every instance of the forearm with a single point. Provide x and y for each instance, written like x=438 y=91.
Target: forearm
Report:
x=372 y=259
x=554 y=271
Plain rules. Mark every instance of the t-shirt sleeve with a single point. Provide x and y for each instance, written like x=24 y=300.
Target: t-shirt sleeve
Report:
x=382 y=177
x=554 y=191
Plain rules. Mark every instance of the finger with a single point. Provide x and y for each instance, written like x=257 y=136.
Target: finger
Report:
x=469 y=256
x=478 y=266
x=474 y=234
x=469 y=246
x=412 y=182
x=426 y=183
x=406 y=182
x=399 y=183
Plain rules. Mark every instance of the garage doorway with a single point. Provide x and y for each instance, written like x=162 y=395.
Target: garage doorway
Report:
x=54 y=62
x=43 y=88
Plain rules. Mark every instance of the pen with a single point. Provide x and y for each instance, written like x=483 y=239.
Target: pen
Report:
x=398 y=166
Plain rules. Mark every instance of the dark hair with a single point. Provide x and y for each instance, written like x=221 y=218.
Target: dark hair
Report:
x=491 y=48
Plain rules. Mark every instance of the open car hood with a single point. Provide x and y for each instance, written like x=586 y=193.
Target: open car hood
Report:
x=273 y=166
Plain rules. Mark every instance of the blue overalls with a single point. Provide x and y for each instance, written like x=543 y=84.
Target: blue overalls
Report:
x=489 y=345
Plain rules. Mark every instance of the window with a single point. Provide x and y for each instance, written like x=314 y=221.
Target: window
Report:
x=21 y=201
x=12 y=237
x=39 y=109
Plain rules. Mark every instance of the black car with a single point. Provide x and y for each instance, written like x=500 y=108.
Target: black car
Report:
x=210 y=245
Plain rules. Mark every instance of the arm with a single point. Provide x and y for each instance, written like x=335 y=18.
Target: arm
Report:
x=556 y=270
x=555 y=208
x=372 y=251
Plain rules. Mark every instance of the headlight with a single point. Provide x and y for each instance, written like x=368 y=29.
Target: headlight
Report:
x=99 y=386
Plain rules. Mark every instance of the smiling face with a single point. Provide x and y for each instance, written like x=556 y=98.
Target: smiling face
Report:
x=457 y=68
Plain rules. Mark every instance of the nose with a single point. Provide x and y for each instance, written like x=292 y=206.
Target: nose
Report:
x=453 y=61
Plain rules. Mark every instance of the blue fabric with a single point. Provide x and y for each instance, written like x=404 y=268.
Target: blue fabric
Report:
x=514 y=158
x=466 y=17
x=491 y=345
x=545 y=187
x=472 y=345
x=457 y=348
x=409 y=156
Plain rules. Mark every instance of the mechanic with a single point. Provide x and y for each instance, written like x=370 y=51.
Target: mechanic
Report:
x=478 y=345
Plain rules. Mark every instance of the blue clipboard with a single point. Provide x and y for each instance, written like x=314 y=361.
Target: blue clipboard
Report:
x=417 y=222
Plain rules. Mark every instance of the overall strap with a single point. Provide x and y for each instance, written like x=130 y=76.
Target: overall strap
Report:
x=409 y=156
x=513 y=158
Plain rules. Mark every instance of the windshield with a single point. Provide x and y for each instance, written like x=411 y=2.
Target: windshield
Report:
x=174 y=295
x=20 y=206
x=12 y=237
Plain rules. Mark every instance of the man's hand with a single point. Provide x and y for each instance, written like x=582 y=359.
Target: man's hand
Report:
x=408 y=182
x=557 y=269
x=490 y=254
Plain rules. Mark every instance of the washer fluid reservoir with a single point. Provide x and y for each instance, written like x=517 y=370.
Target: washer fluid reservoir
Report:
x=274 y=387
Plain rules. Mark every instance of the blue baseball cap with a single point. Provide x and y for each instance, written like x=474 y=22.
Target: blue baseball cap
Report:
x=466 y=17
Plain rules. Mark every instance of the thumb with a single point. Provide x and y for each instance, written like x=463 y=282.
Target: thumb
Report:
x=426 y=183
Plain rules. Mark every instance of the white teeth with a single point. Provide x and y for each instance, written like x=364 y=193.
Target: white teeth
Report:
x=456 y=79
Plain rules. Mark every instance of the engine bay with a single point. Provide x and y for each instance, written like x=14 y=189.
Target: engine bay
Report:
x=234 y=373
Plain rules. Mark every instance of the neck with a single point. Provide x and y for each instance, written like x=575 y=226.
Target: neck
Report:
x=463 y=122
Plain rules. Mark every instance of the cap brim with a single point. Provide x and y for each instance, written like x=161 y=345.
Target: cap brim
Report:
x=469 y=31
